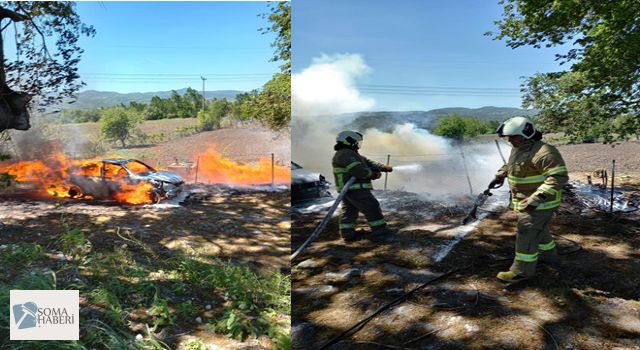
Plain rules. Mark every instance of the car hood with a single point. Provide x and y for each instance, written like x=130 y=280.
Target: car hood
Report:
x=165 y=176
x=301 y=176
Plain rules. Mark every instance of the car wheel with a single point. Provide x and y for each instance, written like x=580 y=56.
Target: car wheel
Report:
x=155 y=196
x=75 y=192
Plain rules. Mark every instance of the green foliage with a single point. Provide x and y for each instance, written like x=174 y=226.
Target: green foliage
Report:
x=602 y=83
x=195 y=344
x=47 y=42
x=458 y=127
x=161 y=313
x=117 y=124
x=211 y=117
x=566 y=106
x=280 y=18
x=81 y=115
x=21 y=254
x=234 y=324
x=74 y=244
x=272 y=106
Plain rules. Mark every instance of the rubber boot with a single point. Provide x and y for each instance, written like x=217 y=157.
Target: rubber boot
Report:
x=510 y=277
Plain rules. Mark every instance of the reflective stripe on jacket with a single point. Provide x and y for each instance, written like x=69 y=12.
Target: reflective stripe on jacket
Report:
x=347 y=163
x=536 y=172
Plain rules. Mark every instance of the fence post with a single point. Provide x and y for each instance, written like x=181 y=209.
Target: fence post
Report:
x=197 y=165
x=386 y=175
x=613 y=177
x=273 y=171
x=466 y=171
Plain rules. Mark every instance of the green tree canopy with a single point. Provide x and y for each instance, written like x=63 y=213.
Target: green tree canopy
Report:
x=457 y=127
x=211 y=117
x=602 y=83
x=280 y=19
x=118 y=123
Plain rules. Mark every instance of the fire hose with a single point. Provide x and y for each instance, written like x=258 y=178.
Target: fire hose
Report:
x=360 y=324
x=325 y=220
x=472 y=215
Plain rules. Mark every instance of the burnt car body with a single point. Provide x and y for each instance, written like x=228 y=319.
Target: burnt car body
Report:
x=114 y=172
x=306 y=185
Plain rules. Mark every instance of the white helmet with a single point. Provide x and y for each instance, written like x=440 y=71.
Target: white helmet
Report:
x=350 y=138
x=517 y=126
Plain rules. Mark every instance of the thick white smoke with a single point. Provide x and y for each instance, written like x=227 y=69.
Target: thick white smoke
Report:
x=327 y=87
x=320 y=93
x=428 y=164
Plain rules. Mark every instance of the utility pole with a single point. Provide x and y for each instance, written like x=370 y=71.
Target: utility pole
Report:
x=203 y=98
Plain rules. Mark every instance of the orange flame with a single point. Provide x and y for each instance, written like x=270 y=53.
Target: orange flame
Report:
x=213 y=168
x=51 y=176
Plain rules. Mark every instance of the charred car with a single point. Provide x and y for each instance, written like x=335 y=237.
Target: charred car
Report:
x=306 y=185
x=102 y=180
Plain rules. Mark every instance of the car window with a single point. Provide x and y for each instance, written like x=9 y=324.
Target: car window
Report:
x=137 y=167
x=114 y=171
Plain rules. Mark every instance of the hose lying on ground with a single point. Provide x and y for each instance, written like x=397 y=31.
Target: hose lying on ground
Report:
x=358 y=325
x=324 y=221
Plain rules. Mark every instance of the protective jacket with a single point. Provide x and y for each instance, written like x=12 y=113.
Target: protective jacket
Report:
x=348 y=162
x=536 y=173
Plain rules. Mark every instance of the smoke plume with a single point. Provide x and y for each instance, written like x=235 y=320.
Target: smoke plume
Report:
x=322 y=96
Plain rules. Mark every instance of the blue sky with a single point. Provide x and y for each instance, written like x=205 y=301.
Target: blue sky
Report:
x=438 y=46
x=158 y=46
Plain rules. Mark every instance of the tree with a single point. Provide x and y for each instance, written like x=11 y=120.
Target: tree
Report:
x=47 y=51
x=280 y=19
x=458 y=127
x=210 y=118
x=451 y=126
x=603 y=80
x=272 y=106
x=117 y=123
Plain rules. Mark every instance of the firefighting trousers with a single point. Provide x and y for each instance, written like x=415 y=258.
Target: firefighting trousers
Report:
x=533 y=242
x=357 y=201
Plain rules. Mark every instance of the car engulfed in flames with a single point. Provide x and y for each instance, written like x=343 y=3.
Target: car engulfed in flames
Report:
x=124 y=180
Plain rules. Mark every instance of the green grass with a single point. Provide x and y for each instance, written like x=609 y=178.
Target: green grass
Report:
x=118 y=282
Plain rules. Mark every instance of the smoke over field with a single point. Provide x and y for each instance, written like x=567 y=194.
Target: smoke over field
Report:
x=326 y=90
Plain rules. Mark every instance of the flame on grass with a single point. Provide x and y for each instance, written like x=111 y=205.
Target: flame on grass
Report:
x=215 y=169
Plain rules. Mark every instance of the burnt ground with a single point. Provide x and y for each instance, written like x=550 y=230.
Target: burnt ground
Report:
x=590 y=301
x=166 y=273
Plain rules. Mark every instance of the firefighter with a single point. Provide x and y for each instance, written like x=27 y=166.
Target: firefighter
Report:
x=347 y=163
x=536 y=174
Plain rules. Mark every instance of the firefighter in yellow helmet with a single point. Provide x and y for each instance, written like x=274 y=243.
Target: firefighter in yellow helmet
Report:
x=536 y=173
x=347 y=163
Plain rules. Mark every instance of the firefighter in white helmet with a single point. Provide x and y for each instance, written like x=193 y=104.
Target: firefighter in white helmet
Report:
x=536 y=174
x=347 y=163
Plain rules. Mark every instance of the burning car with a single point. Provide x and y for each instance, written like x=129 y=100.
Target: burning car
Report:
x=111 y=177
x=306 y=184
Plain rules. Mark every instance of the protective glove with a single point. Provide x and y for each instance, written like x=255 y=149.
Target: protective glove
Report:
x=496 y=182
x=376 y=175
x=386 y=169
x=532 y=204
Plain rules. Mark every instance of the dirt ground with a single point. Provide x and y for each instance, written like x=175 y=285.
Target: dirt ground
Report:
x=591 y=300
x=245 y=144
x=216 y=224
x=587 y=157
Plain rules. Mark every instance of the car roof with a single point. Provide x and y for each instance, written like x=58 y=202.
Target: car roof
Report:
x=118 y=161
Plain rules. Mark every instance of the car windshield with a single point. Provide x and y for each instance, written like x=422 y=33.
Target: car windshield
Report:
x=138 y=168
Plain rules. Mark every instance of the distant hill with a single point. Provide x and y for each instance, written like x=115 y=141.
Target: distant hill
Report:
x=96 y=99
x=385 y=121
